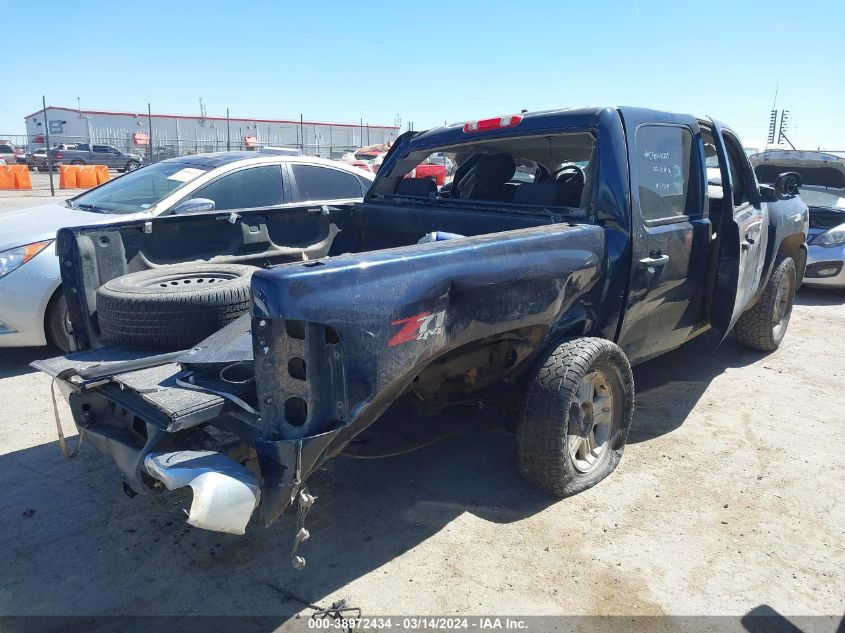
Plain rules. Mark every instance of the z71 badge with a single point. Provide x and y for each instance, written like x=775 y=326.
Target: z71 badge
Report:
x=418 y=327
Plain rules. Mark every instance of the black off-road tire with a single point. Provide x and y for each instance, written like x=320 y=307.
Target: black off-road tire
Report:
x=763 y=326
x=172 y=307
x=551 y=402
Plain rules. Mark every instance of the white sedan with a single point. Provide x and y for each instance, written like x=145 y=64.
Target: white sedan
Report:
x=32 y=305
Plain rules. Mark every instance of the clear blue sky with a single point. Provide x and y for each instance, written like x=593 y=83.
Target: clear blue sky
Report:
x=430 y=61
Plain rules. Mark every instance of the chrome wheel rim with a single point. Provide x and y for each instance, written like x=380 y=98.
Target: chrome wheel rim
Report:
x=590 y=422
x=781 y=308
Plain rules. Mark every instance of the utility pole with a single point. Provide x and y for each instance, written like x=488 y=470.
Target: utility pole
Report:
x=228 y=134
x=47 y=141
x=301 y=134
x=773 y=123
x=784 y=126
x=150 y=122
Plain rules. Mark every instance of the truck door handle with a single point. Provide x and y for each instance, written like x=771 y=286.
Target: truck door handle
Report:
x=654 y=262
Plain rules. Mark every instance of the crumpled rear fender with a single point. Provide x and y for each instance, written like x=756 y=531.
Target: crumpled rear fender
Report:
x=337 y=340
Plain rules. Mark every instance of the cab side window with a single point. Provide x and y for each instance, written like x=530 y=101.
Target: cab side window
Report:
x=667 y=173
x=249 y=188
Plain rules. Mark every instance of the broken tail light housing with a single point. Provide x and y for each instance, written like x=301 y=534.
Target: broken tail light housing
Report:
x=482 y=125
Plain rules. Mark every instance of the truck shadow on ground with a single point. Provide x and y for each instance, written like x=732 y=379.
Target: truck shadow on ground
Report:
x=65 y=525
x=814 y=297
x=668 y=387
x=14 y=361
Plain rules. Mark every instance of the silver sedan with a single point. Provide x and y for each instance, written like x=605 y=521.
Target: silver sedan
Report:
x=826 y=238
x=823 y=190
x=32 y=306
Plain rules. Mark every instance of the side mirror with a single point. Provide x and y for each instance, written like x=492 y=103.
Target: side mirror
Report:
x=785 y=186
x=194 y=205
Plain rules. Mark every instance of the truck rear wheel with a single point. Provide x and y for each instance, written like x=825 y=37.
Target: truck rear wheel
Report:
x=764 y=325
x=578 y=409
x=172 y=307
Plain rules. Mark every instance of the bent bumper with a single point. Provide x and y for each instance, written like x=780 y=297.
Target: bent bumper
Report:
x=225 y=492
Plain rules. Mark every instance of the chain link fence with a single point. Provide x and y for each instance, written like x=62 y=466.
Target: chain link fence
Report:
x=125 y=141
x=121 y=155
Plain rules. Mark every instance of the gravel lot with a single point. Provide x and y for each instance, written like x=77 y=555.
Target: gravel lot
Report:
x=729 y=498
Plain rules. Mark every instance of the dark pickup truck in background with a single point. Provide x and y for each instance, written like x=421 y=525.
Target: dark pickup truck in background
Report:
x=194 y=369
x=83 y=154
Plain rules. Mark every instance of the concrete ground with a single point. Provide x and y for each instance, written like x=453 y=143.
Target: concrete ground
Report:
x=729 y=499
x=12 y=200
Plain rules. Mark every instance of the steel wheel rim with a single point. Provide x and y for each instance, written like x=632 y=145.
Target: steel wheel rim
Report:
x=195 y=280
x=589 y=432
x=780 y=311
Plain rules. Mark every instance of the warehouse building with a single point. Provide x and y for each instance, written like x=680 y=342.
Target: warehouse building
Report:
x=176 y=135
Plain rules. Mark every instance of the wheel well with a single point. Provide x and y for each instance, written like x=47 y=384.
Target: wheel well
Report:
x=793 y=246
x=478 y=364
x=50 y=302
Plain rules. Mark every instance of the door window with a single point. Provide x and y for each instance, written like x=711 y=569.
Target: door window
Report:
x=667 y=187
x=323 y=183
x=740 y=173
x=245 y=189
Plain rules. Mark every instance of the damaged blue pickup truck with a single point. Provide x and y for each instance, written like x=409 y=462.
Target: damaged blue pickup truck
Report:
x=237 y=352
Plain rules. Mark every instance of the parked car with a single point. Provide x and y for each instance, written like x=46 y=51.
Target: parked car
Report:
x=9 y=153
x=443 y=159
x=82 y=154
x=359 y=164
x=432 y=171
x=823 y=189
x=32 y=306
x=36 y=158
x=368 y=158
x=243 y=381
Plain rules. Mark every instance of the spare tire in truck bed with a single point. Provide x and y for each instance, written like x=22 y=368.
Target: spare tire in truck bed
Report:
x=172 y=307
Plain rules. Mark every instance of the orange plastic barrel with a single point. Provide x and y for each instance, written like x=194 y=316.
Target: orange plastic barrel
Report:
x=22 y=180
x=67 y=176
x=7 y=177
x=102 y=174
